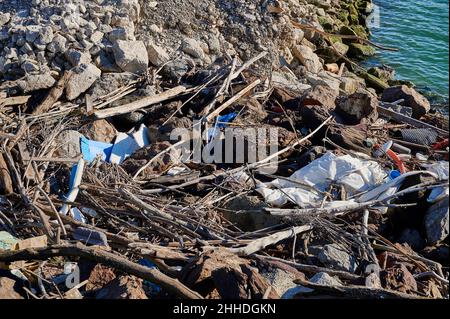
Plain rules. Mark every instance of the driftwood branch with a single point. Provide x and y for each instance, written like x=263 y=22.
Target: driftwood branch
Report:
x=139 y=104
x=106 y=258
x=263 y=242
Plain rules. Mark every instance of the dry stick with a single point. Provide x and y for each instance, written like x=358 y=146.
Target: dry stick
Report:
x=105 y=258
x=250 y=166
x=147 y=207
x=247 y=64
x=409 y=120
x=433 y=275
x=139 y=104
x=313 y=269
x=262 y=243
x=18 y=182
x=156 y=157
x=358 y=291
x=351 y=206
x=55 y=211
x=16 y=100
x=53 y=96
x=232 y=100
x=221 y=91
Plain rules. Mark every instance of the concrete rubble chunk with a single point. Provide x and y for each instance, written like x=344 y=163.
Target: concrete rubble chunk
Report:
x=4 y=18
x=8 y=289
x=358 y=107
x=193 y=48
x=131 y=56
x=81 y=79
x=157 y=55
x=308 y=58
x=33 y=82
x=58 y=44
x=76 y=57
x=320 y=95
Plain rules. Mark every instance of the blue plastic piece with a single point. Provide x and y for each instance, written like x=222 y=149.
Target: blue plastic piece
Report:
x=394 y=174
x=222 y=120
x=90 y=149
x=155 y=288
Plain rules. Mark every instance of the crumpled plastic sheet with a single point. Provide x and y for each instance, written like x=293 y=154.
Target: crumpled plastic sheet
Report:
x=441 y=169
x=306 y=185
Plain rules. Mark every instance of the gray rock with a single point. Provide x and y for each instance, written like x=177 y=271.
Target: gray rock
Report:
x=83 y=76
x=36 y=82
x=121 y=33
x=32 y=32
x=193 y=48
x=131 y=56
x=349 y=85
x=4 y=18
x=320 y=278
x=436 y=222
x=106 y=63
x=67 y=144
x=333 y=256
x=286 y=80
x=308 y=58
x=76 y=57
x=109 y=82
x=30 y=66
x=45 y=35
x=157 y=55
x=213 y=44
x=358 y=107
x=58 y=44
x=320 y=95
x=281 y=280
x=97 y=37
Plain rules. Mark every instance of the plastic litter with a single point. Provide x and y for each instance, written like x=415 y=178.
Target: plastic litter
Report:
x=75 y=181
x=90 y=236
x=309 y=183
x=92 y=149
x=126 y=144
x=422 y=136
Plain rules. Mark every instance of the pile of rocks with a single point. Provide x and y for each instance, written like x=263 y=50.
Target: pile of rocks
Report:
x=41 y=39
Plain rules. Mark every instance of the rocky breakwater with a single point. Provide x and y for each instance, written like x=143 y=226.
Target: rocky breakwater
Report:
x=310 y=43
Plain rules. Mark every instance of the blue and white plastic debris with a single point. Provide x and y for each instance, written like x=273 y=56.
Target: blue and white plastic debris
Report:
x=123 y=147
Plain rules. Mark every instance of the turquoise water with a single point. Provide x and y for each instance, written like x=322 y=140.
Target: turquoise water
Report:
x=419 y=28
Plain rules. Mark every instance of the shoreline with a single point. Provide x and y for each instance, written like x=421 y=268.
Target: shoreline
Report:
x=406 y=64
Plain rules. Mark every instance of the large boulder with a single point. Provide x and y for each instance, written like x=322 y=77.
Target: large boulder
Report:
x=320 y=95
x=419 y=104
x=33 y=82
x=131 y=56
x=358 y=107
x=308 y=58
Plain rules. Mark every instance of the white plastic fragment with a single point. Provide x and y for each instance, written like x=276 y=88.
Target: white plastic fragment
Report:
x=74 y=187
x=309 y=183
x=125 y=144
